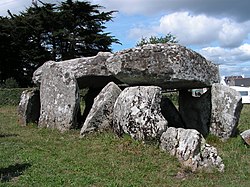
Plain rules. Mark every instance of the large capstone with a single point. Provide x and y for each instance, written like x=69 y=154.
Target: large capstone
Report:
x=60 y=101
x=226 y=109
x=195 y=111
x=189 y=146
x=137 y=112
x=29 y=106
x=89 y=71
x=100 y=116
x=166 y=65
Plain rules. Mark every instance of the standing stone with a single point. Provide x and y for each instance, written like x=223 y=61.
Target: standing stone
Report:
x=29 y=106
x=60 y=101
x=101 y=113
x=189 y=146
x=246 y=136
x=166 y=65
x=137 y=112
x=195 y=111
x=226 y=109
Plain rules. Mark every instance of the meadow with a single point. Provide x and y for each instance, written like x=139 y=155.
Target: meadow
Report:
x=32 y=156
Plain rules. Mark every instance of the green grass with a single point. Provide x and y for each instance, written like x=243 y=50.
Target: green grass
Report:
x=30 y=156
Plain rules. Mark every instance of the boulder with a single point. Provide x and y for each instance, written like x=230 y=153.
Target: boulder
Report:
x=225 y=112
x=166 y=65
x=29 y=106
x=137 y=112
x=60 y=101
x=195 y=111
x=246 y=136
x=189 y=146
x=101 y=113
x=88 y=71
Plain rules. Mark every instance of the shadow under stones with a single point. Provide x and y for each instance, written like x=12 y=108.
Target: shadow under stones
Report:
x=6 y=174
x=89 y=100
x=7 y=135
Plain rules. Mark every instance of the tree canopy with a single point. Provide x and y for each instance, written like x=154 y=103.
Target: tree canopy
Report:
x=51 y=32
x=154 y=40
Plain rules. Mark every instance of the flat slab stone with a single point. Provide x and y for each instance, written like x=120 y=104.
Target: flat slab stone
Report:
x=225 y=111
x=137 y=112
x=100 y=116
x=88 y=71
x=165 y=65
x=60 y=100
x=29 y=106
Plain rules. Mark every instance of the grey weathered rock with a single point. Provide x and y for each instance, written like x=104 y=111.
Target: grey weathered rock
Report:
x=246 y=136
x=225 y=112
x=101 y=113
x=60 y=101
x=137 y=112
x=189 y=146
x=195 y=111
x=171 y=114
x=29 y=106
x=89 y=71
x=165 y=65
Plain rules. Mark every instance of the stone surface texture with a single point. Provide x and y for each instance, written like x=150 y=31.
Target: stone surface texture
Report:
x=225 y=112
x=166 y=65
x=100 y=116
x=89 y=71
x=195 y=111
x=29 y=106
x=60 y=101
x=189 y=146
x=246 y=136
x=137 y=112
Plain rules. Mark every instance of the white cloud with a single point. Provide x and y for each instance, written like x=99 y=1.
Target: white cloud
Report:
x=239 y=55
x=190 y=29
x=222 y=8
x=198 y=29
x=234 y=61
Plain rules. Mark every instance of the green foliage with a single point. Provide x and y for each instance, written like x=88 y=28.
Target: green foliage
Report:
x=43 y=157
x=173 y=96
x=9 y=83
x=49 y=32
x=10 y=96
x=155 y=40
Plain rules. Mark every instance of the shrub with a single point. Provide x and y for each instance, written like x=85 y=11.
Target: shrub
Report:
x=10 y=96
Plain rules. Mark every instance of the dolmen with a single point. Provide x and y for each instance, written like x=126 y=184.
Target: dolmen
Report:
x=127 y=95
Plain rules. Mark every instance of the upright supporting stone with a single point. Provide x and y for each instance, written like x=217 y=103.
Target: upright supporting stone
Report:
x=226 y=109
x=100 y=116
x=137 y=112
x=29 y=107
x=195 y=111
x=60 y=101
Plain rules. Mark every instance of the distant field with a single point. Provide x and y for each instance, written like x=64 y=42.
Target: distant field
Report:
x=30 y=156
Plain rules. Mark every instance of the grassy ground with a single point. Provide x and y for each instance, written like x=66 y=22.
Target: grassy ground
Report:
x=43 y=157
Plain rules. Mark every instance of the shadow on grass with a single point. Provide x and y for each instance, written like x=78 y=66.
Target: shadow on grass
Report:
x=7 y=135
x=6 y=174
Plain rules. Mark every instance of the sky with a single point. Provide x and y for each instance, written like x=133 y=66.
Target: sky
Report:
x=217 y=29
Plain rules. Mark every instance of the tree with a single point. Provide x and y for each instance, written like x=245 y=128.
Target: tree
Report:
x=51 y=32
x=154 y=40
